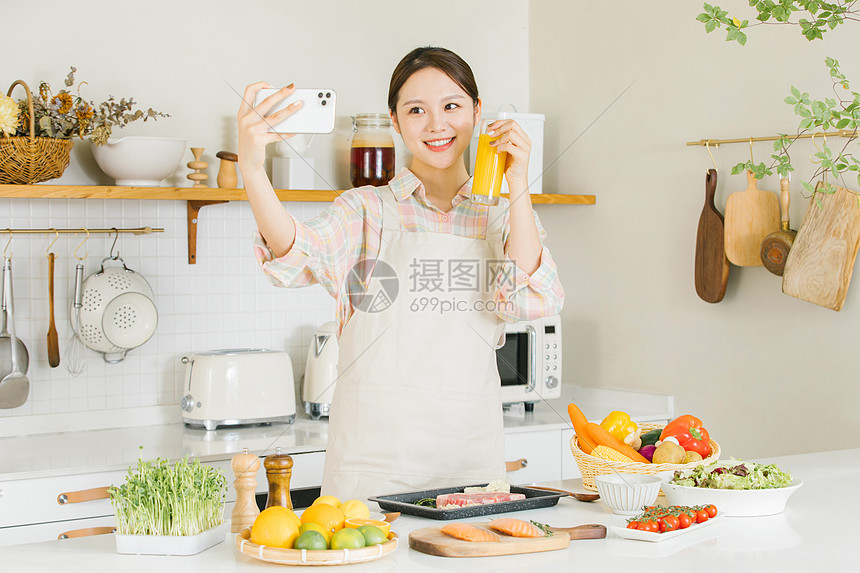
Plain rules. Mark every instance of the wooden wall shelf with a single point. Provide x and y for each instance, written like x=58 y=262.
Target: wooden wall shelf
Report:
x=198 y=197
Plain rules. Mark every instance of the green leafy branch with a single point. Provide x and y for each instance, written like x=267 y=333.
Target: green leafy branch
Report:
x=814 y=17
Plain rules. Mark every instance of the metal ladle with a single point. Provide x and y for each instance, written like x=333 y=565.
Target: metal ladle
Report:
x=14 y=387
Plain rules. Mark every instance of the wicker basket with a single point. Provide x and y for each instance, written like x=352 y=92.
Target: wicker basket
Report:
x=30 y=159
x=591 y=466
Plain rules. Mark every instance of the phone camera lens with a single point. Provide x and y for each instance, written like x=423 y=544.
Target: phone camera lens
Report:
x=319 y=95
x=328 y=94
x=324 y=102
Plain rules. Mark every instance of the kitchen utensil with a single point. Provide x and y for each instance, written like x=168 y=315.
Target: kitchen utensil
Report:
x=53 y=338
x=712 y=266
x=7 y=345
x=319 y=557
x=575 y=495
x=14 y=387
x=751 y=215
x=118 y=312
x=76 y=361
x=238 y=386
x=733 y=502
x=432 y=541
x=279 y=470
x=821 y=260
x=627 y=495
x=321 y=371
x=775 y=247
x=405 y=503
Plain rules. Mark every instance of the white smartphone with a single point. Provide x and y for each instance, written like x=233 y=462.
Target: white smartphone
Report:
x=315 y=116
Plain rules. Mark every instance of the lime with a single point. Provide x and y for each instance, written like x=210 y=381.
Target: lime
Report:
x=347 y=539
x=372 y=535
x=310 y=540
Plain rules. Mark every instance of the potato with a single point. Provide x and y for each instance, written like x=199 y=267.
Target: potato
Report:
x=692 y=457
x=668 y=453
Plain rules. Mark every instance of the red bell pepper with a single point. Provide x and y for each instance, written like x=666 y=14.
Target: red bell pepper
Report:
x=690 y=434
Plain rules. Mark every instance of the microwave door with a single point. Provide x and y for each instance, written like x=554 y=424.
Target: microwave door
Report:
x=517 y=361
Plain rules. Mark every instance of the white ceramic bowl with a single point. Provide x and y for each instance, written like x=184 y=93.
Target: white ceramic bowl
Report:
x=733 y=502
x=628 y=494
x=140 y=161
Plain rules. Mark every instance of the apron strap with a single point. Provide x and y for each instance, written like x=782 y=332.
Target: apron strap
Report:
x=390 y=210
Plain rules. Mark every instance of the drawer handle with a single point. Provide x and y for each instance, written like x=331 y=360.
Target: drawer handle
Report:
x=86 y=532
x=516 y=465
x=83 y=495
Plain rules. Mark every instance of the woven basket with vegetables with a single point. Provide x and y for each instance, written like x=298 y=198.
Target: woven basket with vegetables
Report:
x=610 y=452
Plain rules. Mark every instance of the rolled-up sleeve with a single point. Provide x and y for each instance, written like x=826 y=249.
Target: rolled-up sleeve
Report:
x=523 y=296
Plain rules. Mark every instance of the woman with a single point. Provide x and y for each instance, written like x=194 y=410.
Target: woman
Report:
x=417 y=400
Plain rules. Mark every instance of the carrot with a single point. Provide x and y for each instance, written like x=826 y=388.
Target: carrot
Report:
x=604 y=438
x=580 y=426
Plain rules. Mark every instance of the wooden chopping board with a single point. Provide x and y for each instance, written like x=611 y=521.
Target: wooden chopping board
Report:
x=432 y=541
x=712 y=267
x=821 y=260
x=751 y=215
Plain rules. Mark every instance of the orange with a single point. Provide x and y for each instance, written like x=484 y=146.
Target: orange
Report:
x=328 y=516
x=329 y=499
x=355 y=508
x=355 y=523
x=276 y=526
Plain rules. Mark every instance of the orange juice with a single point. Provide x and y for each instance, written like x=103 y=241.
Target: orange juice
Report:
x=489 y=170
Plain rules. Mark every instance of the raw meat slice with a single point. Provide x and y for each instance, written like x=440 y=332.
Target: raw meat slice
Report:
x=468 y=532
x=516 y=527
x=454 y=500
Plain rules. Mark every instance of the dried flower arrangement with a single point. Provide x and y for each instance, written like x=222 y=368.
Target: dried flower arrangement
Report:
x=63 y=116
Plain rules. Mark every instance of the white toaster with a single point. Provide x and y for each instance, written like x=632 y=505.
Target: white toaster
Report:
x=238 y=386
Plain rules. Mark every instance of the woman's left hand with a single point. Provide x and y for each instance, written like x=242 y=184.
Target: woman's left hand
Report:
x=513 y=140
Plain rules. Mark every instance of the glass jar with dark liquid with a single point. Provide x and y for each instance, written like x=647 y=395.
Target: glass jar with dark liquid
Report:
x=371 y=156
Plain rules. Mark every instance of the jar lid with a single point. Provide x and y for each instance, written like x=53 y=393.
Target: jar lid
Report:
x=371 y=120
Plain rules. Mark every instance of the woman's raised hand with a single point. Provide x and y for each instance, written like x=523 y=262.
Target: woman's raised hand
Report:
x=513 y=140
x=254 y=123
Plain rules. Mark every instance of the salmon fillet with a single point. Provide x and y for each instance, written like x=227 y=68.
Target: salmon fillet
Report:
x=516 y=527
x=468 y=532
x=454 y=500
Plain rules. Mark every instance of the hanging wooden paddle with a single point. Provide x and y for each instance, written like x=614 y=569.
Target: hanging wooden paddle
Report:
x=712 y=267
x=751 y=215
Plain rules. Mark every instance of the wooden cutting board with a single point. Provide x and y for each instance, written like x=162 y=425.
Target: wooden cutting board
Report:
x=432 y=541
x=821 y=260
x=751 y=215
x=712 y=267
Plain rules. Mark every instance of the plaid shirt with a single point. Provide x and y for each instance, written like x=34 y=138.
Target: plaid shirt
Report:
x=327 y=247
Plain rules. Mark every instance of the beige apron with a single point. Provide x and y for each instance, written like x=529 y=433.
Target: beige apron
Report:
x=418 y=399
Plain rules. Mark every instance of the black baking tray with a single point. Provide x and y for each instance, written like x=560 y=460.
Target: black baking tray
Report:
x=405 y=502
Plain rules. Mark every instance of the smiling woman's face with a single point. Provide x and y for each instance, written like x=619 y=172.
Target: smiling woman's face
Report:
x=435 y=117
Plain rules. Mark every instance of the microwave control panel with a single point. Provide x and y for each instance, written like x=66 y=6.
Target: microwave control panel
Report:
x=551 y=350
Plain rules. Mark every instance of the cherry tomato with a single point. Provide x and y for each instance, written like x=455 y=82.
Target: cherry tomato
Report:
x=669 y=523
x=712 y=510
x=651 y=526
x=701 y=516
x=633 y=525
x=684 y=520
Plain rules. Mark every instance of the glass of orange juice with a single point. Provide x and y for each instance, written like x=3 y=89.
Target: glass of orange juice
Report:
x=489 y=169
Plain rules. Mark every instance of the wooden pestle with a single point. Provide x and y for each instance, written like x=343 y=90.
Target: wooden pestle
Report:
x=245 y=511
x=279 y=470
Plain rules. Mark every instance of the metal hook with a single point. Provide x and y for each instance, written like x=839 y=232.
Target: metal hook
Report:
x=6 y=248
x=115 y=237
x=87 y=238
x=57 y=236
x=811 y=159
x=708 y=147
x=751 y=153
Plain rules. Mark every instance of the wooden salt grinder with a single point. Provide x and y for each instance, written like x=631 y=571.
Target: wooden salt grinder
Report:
x=227 y=178
x=198 y=166
x=245 y=511
x=279 y=470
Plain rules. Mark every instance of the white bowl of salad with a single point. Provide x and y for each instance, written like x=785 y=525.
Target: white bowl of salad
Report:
x=737 y=488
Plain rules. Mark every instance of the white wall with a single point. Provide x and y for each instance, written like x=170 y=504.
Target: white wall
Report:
x=186 y=59
x=768 y=373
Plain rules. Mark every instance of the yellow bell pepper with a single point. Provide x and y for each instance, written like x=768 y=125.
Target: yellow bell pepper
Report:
x=619 y=425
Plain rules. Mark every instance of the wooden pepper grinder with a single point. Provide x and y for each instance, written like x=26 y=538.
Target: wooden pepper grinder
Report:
x=227 y=178
x=245 y=511
x=279 y=470
x=198 y=166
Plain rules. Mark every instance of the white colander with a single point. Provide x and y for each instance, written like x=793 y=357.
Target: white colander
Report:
x=117 y=311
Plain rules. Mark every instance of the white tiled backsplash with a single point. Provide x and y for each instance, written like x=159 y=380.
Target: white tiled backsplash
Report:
x=223 y=301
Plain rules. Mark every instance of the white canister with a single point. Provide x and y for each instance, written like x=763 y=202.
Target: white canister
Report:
x=532 y=124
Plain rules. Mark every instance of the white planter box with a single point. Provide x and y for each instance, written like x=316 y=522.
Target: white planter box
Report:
x=169 y=544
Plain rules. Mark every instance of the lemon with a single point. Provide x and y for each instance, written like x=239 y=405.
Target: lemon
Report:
x=325 y=515
x=276 y=526
x=347 y=539
x=312 y=540
x=316 y=527
x=355 y=508
x=329 y=499
x=355 y=523
x=372 y=535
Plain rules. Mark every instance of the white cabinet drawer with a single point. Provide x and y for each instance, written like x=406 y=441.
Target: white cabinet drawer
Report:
x=49 y=531
x=540 y=450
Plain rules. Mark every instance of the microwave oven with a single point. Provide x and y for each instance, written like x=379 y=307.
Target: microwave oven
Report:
x=529 y=361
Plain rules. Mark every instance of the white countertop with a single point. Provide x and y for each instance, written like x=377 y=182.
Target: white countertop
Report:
x=70 y=453
x=816 y=533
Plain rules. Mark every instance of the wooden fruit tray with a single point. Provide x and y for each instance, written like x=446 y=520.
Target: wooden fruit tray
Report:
x=306 y=557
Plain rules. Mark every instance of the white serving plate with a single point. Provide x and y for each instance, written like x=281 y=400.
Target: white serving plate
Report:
x=169 y=544
x=622 y=531
x=733 y=502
